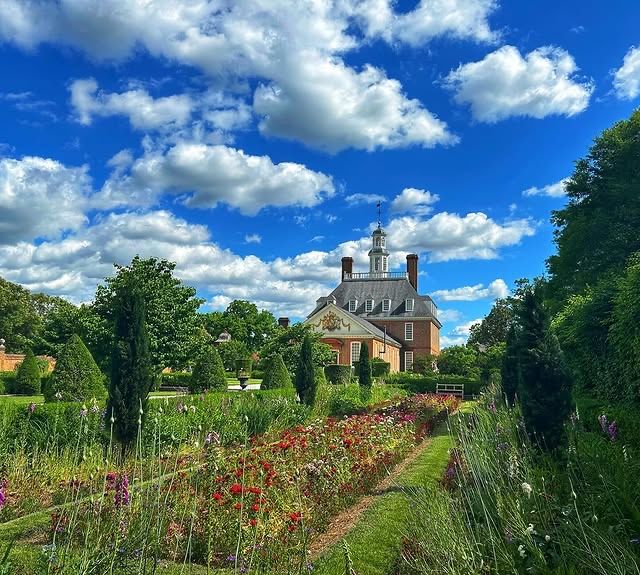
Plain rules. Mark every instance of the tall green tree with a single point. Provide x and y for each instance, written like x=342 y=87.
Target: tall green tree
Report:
x=171 y=309
x=76 y=376
x=544 y=381
x=492 y=330
x=510 y=369
x=597 y=230
x=131 y=366
x=459 y=360
x=28 y=375
x=305 y=381
x=19 y=320
x=364 y=368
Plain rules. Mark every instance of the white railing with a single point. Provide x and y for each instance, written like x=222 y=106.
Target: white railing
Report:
x=375 y=275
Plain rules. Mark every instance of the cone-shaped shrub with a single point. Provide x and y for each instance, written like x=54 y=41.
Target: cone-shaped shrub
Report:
x=131 y=369
x=28 y=375
x=510 y=368
x=276 y=375
x=208 y=372
x=544 y=383
x=76 y=376
x=364 y=367
x=305 y=374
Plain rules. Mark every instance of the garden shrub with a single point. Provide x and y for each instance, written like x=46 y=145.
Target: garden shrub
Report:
x=8 y=381
x=276 y=374
x=379 y=367
x=338 y=374
x=208 y=372
x=175 y=379
x=428 y=383
x=625 y=414
x=28 y=376
x=364 y=367
x=243 y=364
x=76 y=376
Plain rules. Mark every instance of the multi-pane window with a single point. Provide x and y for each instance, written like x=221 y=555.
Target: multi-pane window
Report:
x=355 y=351
x=386 y=304
x=353 y=305
x=408 y=332
x=368 y=306
x=377 y=264
x=385 y=266
x=408 y=360
x=408 y=305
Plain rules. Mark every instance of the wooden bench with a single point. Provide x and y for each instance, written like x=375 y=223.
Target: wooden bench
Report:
x=450 y=389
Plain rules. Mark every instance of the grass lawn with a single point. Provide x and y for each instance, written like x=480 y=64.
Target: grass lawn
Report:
x=375 y=542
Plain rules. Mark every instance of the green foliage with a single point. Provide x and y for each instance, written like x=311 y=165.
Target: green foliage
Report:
x=416 y=383
x=493 y=329
x=231 y=351
x=276 y=375
x=305 y=381
x=76 y=376
x=175 y=379
x=246 y=324
x=338 y=374
x=458 y=360
x=510 y=369
x=208 y=372
x=364 y=367
x=171 y=309
x=380 y=368
x=8 y=381
x=243 y=364
x=131 y=365
x=19 y=320
x=28 y=375
x=597 y=230
x=424 y=363
x=288 y=342
x=544 y=383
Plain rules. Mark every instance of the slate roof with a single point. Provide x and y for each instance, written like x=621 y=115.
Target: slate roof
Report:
x=364 y=323
x=394 y=289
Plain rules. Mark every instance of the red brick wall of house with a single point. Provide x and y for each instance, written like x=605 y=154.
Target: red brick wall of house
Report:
x=426 y=338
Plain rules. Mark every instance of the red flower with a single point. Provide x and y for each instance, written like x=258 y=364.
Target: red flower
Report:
x=238 y=506
x=253 y=522
x=266 y=465
x=255 y=490
x=236 y=489
x=255 y=507
x=217 y=496
x=295 y=517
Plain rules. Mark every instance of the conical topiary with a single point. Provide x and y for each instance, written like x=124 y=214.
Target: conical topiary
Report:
x=28 y=375
x=305 y=373
x=76 y=376
x=276 y=375
x=208 y=372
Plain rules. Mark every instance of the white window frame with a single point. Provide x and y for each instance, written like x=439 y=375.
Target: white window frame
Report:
x=386 y=305
x=368 y=305
x=353 y=305
x=385 y=265
x=355 y=345
x=376 y=265
x=408 y=360
x=408 y=327
x=378 y=241
x=408 y=305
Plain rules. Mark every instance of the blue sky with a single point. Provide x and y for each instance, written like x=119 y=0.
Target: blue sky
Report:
x=248 y=141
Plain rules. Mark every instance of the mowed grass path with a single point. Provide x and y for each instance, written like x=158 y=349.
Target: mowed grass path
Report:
x=375 y=541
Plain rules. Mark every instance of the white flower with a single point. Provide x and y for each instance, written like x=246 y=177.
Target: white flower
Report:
x=531 y=530
x=526 y=489
x=547 y=538
x=521 y=550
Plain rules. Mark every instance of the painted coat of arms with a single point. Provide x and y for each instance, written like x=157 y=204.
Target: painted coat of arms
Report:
x=330 y=322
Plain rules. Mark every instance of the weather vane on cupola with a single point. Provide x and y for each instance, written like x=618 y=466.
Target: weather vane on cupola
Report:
x=379 y=206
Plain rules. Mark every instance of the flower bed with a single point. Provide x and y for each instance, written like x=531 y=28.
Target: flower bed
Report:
x=257 y=505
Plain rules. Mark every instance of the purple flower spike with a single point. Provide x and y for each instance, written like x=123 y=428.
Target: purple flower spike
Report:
x=121 y=497
x=613 y=431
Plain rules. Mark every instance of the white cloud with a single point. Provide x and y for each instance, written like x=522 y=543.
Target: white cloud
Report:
x=448 y=341
x=505 y=84
x=448 y=315
x=40 y=197
x=328 y=105
x=252 y=239
x=496 y=289
x=464 y=329
x=448 y=236
x=626 y=79
x=414 y=201
x=143 y=111
x=556 y=190
x=357 y=199
x=219 y=174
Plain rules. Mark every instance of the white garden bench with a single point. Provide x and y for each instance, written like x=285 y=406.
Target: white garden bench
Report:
x=450 y=389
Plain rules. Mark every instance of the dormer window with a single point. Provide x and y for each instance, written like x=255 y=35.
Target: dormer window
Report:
x=408 y=305
x=368 y=306
x=386 y=304
x=353 y=305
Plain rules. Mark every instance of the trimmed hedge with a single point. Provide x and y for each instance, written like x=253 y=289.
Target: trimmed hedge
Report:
x=338 y=374
x=428 y=384
x=28 y=376
x=276 y=374
x=7 y=381
x=208 y=372
x=243 y=365
x=378 y=368
x=175 y=379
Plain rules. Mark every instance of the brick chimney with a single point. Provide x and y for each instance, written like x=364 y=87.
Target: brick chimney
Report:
x=412 y=270
x=347 y=267
x=283 y=321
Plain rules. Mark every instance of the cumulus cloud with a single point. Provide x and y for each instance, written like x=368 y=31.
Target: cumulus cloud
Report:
x=209 y=175
x=626 y=79
x=465 y=328
x=506 y=84
x=143 y=111
x=448 y=341
x=447 y=315
x=496 y=289
x=252 y=239
x=556 y=190
x=356 y=199
x=40 y=197
x=414 y=201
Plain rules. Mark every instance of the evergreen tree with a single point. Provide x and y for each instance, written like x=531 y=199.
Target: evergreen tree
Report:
x=131 y=366
x=544 y=382
x=208 y=372
x=28 y=375
x=305 y=373
x=510 y=366
x=276 y=375
x=76 y=376
x=364 y=367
